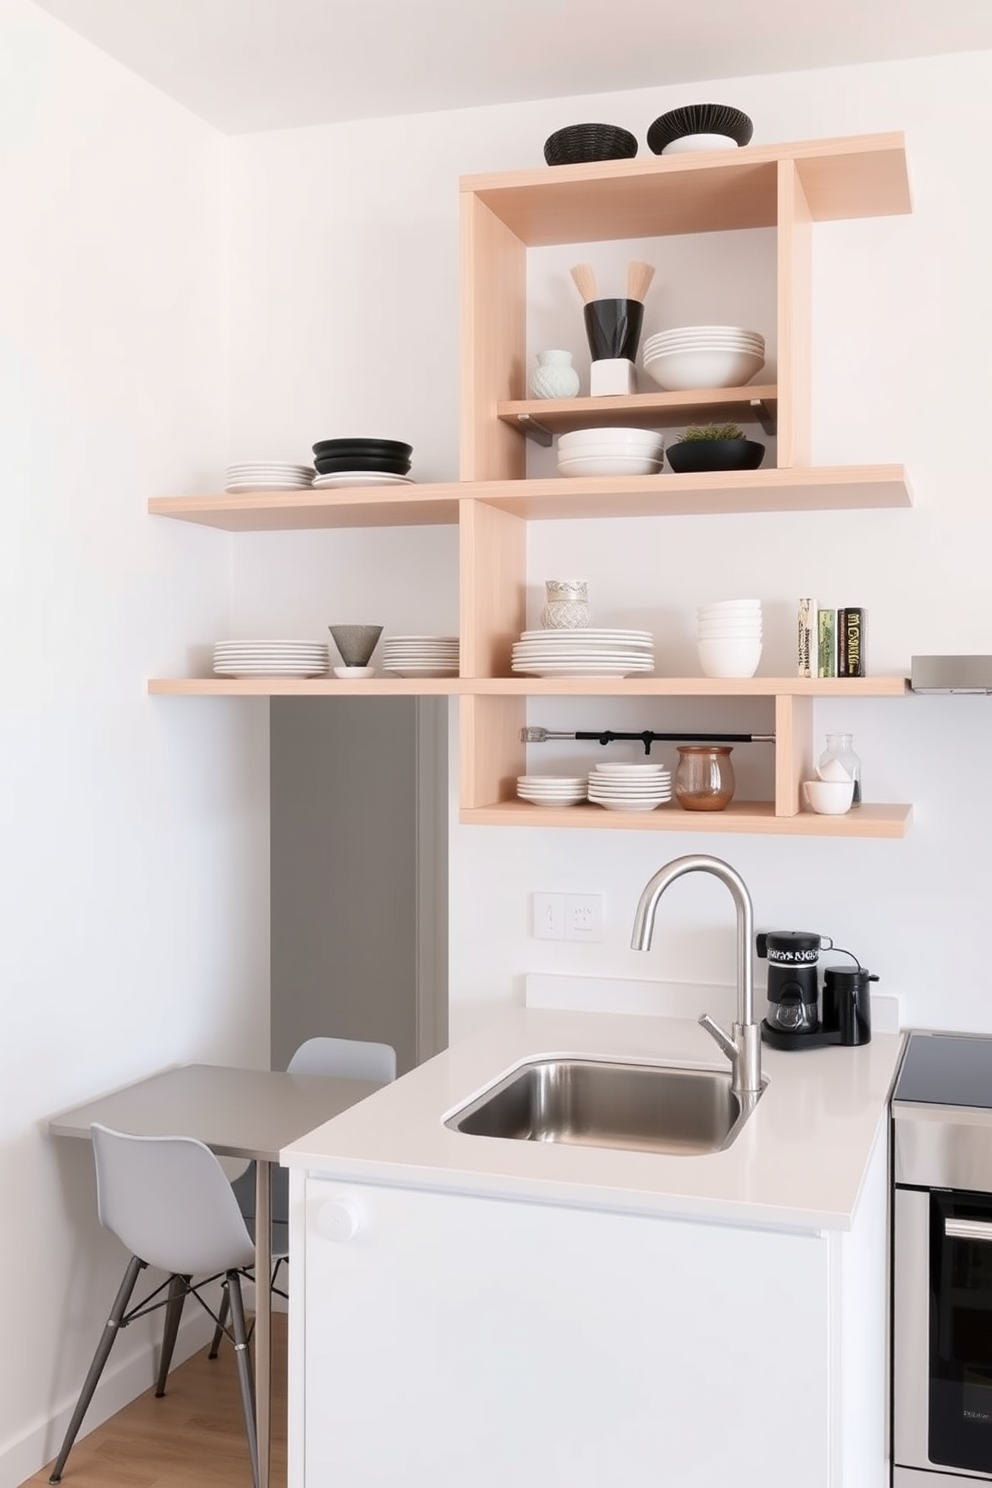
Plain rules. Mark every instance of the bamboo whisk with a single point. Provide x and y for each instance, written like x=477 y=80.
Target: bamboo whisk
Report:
x=585 y=281
x=639 y=276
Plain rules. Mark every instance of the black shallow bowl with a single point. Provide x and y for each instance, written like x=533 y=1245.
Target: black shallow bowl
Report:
x=392 y=449
x=335 y=464
x=581 y=142
x=714 y=454
x=699 y=118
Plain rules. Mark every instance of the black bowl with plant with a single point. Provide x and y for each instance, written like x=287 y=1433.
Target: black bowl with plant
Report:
x=714 y=447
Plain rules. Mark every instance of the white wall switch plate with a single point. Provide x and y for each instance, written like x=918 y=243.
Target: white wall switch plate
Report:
x=549 y=917
x=583 y=917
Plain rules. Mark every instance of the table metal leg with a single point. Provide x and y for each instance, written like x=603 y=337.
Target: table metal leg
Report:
x=263 y=1316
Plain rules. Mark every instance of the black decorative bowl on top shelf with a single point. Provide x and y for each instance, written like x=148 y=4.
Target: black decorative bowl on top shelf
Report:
x=714 y=454
x=579 y=143
x=699 y=118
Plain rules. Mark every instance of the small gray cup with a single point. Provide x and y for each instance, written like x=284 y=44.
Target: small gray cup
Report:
x=355 y=642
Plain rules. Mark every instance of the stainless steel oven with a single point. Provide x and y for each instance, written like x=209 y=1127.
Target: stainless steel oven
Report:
x=942 y=1263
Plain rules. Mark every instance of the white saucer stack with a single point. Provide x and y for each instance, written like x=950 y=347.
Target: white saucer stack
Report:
x=265 y=475
x=630 y=787
x=420 y=655
x=271 y=658
x=551 y=790
x=585 y=652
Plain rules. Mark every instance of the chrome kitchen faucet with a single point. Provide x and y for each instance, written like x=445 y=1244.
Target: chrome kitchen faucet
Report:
x=743 y=1045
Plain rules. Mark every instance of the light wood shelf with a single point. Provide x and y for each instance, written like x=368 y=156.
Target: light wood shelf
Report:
x=867 y=820
x=787 y=187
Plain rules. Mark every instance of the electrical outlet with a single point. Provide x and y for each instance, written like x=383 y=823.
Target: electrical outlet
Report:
x=549 y=917
x=583 y=916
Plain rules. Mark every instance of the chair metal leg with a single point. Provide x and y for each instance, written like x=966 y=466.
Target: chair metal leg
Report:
x=222 y=1314
x=244 y=1369
x=134 y=1266
x=178 y=1289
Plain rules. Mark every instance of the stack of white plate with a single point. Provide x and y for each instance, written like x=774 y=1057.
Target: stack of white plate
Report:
x=358 y=478
x=270 y=658
x=266 y=476
x=585 y=652
x=704 y=357
x=421 y=655
x=729 y=637
x=551 y=790
x=611 y=452
x=630 y=787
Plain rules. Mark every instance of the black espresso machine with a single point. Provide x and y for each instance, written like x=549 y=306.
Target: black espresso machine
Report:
x=796 y=1019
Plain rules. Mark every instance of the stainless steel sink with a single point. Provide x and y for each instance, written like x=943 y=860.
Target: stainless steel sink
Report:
x=604 y=1103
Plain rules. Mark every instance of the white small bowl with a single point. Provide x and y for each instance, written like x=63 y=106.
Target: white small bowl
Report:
x=352 y=672
x=678 y=371
x=729 y=658
x=829 y=797
x=578 y=438
x=688 y=142
x=609 y=465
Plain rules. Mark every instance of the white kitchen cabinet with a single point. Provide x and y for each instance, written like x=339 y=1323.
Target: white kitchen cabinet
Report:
x=452 y=1340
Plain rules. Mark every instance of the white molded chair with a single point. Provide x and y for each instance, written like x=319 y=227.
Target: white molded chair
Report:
x=347 y=1059
x=170 y=1203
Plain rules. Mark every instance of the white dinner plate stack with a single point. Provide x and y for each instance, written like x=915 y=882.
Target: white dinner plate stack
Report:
x=420 y=655
x=266 y=475
x=271 y=658
x=630 y=787
x=585 y=652
x=551 y=790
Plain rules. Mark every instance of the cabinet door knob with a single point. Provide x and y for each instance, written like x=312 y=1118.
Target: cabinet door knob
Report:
x=341 y=1219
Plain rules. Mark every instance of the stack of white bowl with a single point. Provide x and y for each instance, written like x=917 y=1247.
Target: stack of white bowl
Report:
x=551 y=790
x=630 y=787
x=611 y=452
x=704 y=357
x=729 y=637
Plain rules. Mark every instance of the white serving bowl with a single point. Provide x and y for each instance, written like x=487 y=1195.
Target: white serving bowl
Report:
x=829 y=797
x=730 y=657
x=686 y=143
x=683 y=370
x=609 y=465
x=729 y=632
x=631 y=441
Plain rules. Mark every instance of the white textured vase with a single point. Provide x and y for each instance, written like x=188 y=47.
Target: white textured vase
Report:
x=555 y=376
x=567 y=604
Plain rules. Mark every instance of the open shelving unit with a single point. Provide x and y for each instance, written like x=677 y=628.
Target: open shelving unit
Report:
x=787 y=187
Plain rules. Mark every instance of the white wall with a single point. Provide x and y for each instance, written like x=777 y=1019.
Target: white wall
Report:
x=346 y=321
x=133 y=871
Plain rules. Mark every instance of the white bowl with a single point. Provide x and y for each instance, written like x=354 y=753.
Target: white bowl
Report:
x=619 y=435
x=687 y=143
x=729 y=604
x=829 y=797
x=729 y=632
x=729 y=658
x=609 y=465
x=682 y=370
x=346 y=671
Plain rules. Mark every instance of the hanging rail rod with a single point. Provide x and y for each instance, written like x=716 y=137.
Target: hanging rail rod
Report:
x=647 y=737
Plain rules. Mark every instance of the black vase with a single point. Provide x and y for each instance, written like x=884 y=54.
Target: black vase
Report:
x=614 y=328
x=714 y=454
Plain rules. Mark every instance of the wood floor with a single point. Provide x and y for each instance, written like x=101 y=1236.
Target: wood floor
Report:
x=193 y=1437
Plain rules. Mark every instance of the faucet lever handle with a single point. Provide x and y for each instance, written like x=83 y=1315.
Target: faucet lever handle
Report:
x=723 y=1038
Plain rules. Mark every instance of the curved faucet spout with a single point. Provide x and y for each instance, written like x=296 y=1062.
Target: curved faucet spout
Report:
x=743 y=1049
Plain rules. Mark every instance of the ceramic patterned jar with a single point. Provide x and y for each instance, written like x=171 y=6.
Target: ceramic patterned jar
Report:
x=555 y=376
x=566 y=604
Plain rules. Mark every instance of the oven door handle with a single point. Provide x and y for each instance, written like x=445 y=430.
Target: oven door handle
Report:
x=968 y=1229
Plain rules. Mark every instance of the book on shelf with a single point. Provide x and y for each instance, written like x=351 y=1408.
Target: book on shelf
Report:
x=806 y=639
x=826 y=650
x=851 y=642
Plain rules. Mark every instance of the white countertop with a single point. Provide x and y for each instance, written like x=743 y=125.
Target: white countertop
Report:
x=799 y=1161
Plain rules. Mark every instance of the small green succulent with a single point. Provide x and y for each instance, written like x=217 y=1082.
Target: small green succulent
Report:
x=713 y=431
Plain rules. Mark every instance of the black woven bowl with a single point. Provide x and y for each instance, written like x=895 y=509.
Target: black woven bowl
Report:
x=714 y=454
x=337 y=464
x=699 y=118
x=391 y=449
x=582 y=142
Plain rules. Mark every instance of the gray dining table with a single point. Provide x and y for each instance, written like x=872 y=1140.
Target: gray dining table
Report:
x=245 y=1113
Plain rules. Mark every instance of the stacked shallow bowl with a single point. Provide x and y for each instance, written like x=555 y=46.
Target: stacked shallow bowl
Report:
x=704 y=356
x=551 y=790
x=421 y=655
x=630 y=787
x=362 y=462
x=611 y=452
x=729 y=635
